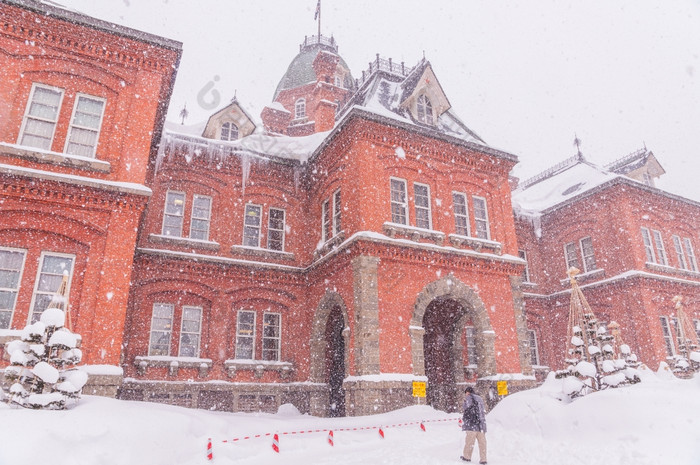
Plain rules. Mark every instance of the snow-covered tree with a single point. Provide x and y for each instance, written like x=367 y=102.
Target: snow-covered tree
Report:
x=41 y=374
x=687 y=361
x=596 y=359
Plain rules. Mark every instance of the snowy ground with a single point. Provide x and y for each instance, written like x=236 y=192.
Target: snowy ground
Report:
x=655 y=422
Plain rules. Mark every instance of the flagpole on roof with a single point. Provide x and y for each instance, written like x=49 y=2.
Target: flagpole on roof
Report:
x=318 y=16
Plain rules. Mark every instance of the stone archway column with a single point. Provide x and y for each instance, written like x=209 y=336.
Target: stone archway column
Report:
x=366 y=306
x=521 y=325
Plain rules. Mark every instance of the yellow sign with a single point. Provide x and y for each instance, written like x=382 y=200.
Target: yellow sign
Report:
x=419 y=389
x=502 y=388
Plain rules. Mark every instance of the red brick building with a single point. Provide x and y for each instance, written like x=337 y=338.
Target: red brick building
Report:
x=634 y=243
x=359 y=239
x=81 y=104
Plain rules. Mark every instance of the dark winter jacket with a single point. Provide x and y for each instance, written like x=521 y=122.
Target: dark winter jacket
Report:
x=474 y=416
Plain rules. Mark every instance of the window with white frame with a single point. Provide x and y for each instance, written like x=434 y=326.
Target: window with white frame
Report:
x=174 y=213
x=41 y=116
x=191 y=331
x=251 y=226
x=481 y=218
x=678 y=247
x=271 y=336
x=326 y=221
x=399 y=201
x=459 y=202
x=471 y=345
x=245 y=335
x=275 y=229
x=421 y=200
x=660 y=250
x=648 y=246
x=85 y=126
x=11 y=267
x=534 y=351
x=526 y=272
x=161 y=329
x=692 y=262
x=337 y=213
x=49 y=277
x=668 y=337
x=587 y=254
x=424 y=110
x=229 y=131
x=201 y=217
x=300 y=108
x=571 y=256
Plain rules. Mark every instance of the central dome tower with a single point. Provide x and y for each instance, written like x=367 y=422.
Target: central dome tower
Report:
x=316 y=84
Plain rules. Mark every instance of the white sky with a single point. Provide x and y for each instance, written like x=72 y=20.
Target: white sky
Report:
x=526 y=76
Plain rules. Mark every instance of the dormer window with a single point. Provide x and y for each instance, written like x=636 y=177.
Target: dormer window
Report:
x=300 y=108
x=424 y=110
x=229 y=131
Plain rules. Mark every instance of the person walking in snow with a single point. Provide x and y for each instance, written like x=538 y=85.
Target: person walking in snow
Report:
x=474 y=423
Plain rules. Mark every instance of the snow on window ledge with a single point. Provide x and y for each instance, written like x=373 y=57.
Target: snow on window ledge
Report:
x=173 y=364
x=671 y=270
x=7 y=335
x=475 y=243
x=198 y=243
x=587 y=276
x=261 y=252
x=329 y=245
x=414 y=233
x=54 y=158
x=259 y=367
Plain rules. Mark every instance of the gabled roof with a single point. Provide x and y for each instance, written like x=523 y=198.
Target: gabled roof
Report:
x=234 y=113
x=635 y=161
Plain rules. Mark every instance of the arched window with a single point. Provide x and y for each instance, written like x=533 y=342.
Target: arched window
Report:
x=300 y=108
x=229 y=131
x=425 y=110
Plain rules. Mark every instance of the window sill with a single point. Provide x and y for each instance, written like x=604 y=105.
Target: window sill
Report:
x=173 y=364
x=413 y=233
x=260 y=252
x=259 y=367
x=587 y=276
x=671 y=270
x=529 y=285
x=209 y=245
x=54 y=158
x=329 y=245
x=457 y=240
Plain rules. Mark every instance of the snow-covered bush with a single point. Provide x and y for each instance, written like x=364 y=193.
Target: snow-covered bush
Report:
x=40 y=375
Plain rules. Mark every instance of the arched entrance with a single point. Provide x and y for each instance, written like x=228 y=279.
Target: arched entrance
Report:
x=335 y=362
x=440 y=316
x=329 y=340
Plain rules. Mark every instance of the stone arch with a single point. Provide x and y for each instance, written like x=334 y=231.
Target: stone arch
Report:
x=317 y=345
x=473 y=308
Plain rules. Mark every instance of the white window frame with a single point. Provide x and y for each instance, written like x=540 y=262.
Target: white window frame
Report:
x=300 y=108
x=424 y=110
x=240 y=336
x=337 y=212
x=72 y=125
x=648 y=246
x=470 y=337
x=167 y=331
x=402 y=205
x=10 y=290
x=205 y=219
x=166 y=215
x=571 y=256
x=229 y=127
x=678 y=246
x=326 y=221
x=271 y=229
x=277 y=351
x=534 y=348
x=692 y=262
x=586 y=257
x=464 y=215
x=526 y=273
x=668 y=337
x=36 y=292
x=422 y=208
x=252 y=227
x=197 y=334
x=27 y=116
x=484 y=220
x=660 y=249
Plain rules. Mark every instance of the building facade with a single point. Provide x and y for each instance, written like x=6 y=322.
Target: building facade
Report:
x=358 y=239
